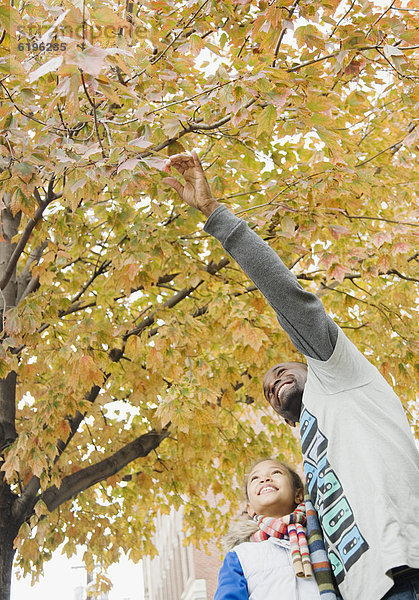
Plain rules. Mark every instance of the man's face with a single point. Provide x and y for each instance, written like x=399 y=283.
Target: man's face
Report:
x=283 y=386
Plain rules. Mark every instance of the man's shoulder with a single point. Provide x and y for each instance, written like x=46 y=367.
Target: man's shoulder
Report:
x=346 y=369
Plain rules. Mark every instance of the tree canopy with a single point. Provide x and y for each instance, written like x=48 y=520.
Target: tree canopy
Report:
x=133 y=348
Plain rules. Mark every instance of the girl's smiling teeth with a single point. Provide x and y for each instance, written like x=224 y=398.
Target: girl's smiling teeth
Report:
x=267 y=488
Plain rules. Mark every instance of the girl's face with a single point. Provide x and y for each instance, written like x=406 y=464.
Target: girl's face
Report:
x=270 y=490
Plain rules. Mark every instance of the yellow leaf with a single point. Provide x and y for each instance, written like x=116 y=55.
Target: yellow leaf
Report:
x=266 y=120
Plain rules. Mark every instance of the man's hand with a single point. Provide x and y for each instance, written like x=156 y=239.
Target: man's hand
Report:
x=195 y=191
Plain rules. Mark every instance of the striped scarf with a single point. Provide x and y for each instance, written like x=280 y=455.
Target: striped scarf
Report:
x=289 y=527
x=308 y=552
x=318 y=555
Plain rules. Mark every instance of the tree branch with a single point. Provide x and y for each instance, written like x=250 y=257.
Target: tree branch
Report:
x=342 y=18
x=379 y=18
x=396 y=272
x=291 y=11
x=94 y=107
x=177 y=36
x=209 y=90
x=20 y=246
x=350 y=217
x=79 y=305
x=360 y=49
x=312 y=62
x=175 y=299
x=85 y=478
x=97 y=272
x=22 y=112
x=357 y=299
x=32 y=285
x=396 y=145
x=26 y=500
x=193 y=127
x=75 y=421
x=25 y=279
x=25 y=503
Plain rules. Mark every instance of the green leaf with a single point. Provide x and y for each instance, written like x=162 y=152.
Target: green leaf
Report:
x=266 y=120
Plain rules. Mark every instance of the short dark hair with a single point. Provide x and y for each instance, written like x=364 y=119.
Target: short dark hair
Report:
x=297 y=482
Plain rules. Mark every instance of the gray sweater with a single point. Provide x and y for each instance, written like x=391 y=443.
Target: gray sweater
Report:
x=300 y=313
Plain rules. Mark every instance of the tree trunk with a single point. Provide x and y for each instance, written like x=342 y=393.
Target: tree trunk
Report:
x=8 y=532
x=8 y=525
x=9 y=226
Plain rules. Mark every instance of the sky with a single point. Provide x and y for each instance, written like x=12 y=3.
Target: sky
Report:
x=63 y=575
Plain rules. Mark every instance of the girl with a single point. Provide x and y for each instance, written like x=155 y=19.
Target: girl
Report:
x=277 y=567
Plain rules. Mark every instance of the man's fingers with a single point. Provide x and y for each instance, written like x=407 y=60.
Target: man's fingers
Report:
x=196 y=161
x=175 y=184
x=179 y=155
x=181 y=162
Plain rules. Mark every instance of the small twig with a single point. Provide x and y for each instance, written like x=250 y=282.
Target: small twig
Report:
x=95 y=275
x=163 y=52
x=22 y=112
x=342 y=18
x=321 y=58
x=3 y=316
x=357 y=299
x=211 y=89
x=401 y=75
x=61 y=116
x=108 y=133
x=395 y=145
x=12 y=157
x=93 y=105
x=213 y=162
x=354 y=327
x=312 y=62
x=243 y=45
x=396 y=272
x=379 y=18
x=291 y=11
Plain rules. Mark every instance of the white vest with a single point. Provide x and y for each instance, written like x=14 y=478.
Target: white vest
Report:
x=267 y=567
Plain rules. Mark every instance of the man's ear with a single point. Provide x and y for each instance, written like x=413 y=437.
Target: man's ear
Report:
x=250 y=510
x=299 y=496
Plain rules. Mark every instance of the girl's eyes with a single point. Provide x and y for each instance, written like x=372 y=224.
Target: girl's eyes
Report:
x=272 y=473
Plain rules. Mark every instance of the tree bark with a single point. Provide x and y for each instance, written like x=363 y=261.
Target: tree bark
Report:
x=8 y=524
x=10 y=226
x=85 y=478
x=8 y=532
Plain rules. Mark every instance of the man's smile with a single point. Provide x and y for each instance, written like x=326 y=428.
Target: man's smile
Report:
x=281 y=385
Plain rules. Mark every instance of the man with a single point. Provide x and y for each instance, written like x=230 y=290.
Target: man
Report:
x=360 y=459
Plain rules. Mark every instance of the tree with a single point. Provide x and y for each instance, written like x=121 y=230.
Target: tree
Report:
x=132 y=347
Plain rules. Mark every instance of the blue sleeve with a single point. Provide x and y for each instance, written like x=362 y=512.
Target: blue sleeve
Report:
x=232 y=584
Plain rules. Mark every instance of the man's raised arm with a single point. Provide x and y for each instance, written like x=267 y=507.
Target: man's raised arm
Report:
x=300 y=313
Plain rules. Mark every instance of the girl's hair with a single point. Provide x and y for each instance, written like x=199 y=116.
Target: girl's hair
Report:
x=295 y=478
